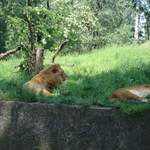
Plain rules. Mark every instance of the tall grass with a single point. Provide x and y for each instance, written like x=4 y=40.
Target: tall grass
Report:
x=91 y=81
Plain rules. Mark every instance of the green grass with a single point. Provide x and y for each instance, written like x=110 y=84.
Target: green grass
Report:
x=91 y=81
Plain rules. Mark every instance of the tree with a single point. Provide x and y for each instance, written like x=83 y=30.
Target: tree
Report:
x=148 y=25
x=141 y=6
x=146 y=10
x=3 y=30
x=136 y=28
x=49 y=23
x=115 y=21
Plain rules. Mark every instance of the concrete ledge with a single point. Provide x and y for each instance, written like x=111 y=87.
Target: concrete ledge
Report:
x=36 y=126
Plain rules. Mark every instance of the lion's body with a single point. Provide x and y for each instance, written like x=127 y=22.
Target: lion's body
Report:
x=46 y=80
x=136 y=92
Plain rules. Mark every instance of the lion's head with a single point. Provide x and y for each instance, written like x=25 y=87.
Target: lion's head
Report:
x=51 y=77
x=58 y=73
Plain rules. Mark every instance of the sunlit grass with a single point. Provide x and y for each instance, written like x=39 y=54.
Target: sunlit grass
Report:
x=92 y=79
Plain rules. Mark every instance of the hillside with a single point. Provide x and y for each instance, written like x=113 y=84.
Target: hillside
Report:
x=90 y=82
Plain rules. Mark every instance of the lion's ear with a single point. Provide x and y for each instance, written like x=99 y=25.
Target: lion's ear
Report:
x=55 y=70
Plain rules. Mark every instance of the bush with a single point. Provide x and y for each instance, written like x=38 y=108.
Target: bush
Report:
x=121 y=36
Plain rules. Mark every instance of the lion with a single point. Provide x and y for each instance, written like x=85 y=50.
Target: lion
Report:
x=136 y=92
x=46 y=80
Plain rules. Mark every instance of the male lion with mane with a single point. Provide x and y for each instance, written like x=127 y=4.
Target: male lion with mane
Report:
x=136 y=92
x=46 y=80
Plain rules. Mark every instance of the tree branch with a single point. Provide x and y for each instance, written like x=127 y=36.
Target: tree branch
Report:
x=10 y=52
x=59 y=50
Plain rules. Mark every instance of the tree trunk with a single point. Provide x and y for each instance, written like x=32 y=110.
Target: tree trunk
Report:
x=147 y=25
x=48 y=4
x=28 y=3
x=32 y=53
x=39 y=59
x=136 y=32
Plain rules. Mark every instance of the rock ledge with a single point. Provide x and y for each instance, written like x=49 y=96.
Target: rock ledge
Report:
x=37 y=126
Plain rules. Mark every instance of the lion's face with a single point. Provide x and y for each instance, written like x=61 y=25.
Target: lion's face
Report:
x=51 y=77
x=58 y=72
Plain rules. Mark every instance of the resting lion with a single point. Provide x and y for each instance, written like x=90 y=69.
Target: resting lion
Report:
x=46 y=80
x=135 y=92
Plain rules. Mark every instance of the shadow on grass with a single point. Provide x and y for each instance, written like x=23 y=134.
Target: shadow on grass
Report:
x=10 y=89
x=97 y=89
x=87 y=89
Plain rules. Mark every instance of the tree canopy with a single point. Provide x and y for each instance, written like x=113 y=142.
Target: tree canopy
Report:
x=87 y=24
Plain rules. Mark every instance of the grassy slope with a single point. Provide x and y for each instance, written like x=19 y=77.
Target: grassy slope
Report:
x=92 y=79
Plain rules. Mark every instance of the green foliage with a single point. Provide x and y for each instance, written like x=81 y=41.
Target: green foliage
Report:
x=17 y=32
x=91 y=81
x=78 y=28
x=51 y=27
x=87 y=24
x=3 y=30
x=114 y=17
x=121 y=36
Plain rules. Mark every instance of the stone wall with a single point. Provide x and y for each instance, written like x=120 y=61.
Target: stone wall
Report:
x=36 y=126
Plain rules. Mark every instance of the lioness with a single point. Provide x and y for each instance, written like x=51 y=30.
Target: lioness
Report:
x=135 y=92
x=46 y=80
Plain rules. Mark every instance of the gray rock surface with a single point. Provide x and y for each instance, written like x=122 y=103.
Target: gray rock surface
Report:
x=36 y=126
